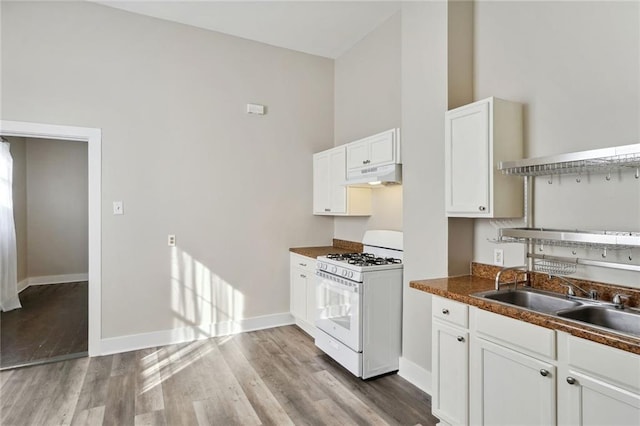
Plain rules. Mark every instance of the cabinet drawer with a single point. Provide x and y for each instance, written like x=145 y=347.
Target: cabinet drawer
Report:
x=304 y=262
x=450 y=311
x=609 y=363
x=518 y=335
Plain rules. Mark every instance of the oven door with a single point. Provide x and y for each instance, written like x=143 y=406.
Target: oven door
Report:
x=339 y=309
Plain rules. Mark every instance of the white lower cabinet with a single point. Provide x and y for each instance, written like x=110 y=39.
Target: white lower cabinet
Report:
x=510 y=388
x=450 y=372
x=597 y=385
x=302 y=295
x=511 y=372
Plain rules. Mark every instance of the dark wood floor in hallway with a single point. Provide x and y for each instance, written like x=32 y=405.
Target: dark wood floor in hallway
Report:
x=271 y=377
x=52 y=322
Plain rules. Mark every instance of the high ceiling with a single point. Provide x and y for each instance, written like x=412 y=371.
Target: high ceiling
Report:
x=324 y=28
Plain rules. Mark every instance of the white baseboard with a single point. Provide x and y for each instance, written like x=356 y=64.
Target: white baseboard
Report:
x=58 y=279
x=415 y=374
x=134 y=342
x=52 y=279
x=306 y=327
x=23 y=284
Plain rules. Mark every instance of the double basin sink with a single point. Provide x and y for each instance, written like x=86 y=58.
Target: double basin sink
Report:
x=599 y=314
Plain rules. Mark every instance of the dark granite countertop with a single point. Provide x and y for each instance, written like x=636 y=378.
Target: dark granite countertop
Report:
x=461 y=288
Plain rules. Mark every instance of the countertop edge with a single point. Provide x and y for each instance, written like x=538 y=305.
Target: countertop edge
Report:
x=625 y=343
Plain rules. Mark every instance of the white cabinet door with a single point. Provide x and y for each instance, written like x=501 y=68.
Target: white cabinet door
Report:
x=302 y=294
x=450 y=373
x=509 y=388
x=478 y=137
x=382 y=149
x=329 y=174
x=357 y=154
x=312 y=309
x=594 y=402
x=467 y=156
x=376 y=150
x=330 y=195
x=337 y=176
x=299 y=292
x=321 y=183
x=597 y=384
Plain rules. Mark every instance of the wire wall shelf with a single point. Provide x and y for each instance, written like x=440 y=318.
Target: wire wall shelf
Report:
x=604 y=160
x=611 y=240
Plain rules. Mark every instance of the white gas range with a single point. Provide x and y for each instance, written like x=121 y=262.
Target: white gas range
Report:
x=359 y=298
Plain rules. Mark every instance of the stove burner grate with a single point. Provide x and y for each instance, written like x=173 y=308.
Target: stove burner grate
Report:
x=363 y=259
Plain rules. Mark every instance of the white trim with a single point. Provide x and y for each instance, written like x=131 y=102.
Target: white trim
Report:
x=23 y=284
x=189 y=334
x=93 y=138
x=57 y=279
x=306 y=327
x=415 y=374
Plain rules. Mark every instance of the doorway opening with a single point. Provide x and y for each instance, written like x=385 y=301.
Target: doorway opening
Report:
x=78 y=285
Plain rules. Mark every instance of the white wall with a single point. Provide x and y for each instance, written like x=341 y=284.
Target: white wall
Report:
x=180 y=152
x=367 y=101
x=576 y=68
x=18 y=149
x=424 y=102
x=57 y=207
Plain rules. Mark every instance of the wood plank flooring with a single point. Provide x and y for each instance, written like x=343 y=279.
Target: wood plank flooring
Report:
x=52 y=322
x=271 y=377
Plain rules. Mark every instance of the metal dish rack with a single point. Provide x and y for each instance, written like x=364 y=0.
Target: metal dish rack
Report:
x=605 y=160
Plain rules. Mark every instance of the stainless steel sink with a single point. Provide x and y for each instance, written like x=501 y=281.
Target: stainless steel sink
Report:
x=624 y=321
x=538 y=301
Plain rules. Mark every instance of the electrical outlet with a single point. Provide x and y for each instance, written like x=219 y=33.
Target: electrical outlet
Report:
x=498 y=257
x=171 y=240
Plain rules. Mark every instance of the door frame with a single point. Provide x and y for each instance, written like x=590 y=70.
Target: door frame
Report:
x=93 y=137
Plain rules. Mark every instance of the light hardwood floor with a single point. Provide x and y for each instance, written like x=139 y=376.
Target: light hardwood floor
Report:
x=271 y=377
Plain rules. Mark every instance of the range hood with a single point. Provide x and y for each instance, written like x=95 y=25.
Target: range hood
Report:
x=388 y=174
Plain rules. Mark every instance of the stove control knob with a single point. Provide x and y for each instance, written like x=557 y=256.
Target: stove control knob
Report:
x=350 y=274
x=334 y=269
x=323 y=266
x=344 y=273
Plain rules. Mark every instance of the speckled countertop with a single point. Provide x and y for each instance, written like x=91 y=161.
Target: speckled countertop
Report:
x=460 y=289
x=339 y=246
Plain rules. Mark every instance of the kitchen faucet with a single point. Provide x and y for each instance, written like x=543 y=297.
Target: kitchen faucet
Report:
x=515 y=281
x=571 y=287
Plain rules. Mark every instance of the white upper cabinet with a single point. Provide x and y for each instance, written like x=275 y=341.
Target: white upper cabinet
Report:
x=376 y=150
x=330 y=195
x=477 y=137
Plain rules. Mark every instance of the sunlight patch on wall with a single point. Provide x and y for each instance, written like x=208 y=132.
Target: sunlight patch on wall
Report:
x=200 y=298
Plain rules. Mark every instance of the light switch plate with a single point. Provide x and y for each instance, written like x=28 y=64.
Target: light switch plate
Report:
x=498 y=257
x=118 y=207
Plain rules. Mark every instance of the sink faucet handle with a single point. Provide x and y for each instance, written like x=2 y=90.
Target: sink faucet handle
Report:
x=618 y=300
x=570 y=291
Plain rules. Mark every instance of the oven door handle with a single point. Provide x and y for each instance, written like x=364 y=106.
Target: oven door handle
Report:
x=338 y=283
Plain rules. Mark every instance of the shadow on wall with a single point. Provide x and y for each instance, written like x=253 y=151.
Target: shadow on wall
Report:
x=201 y=299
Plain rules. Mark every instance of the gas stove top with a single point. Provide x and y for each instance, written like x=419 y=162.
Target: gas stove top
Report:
x=362 y=259
x=355 y=266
